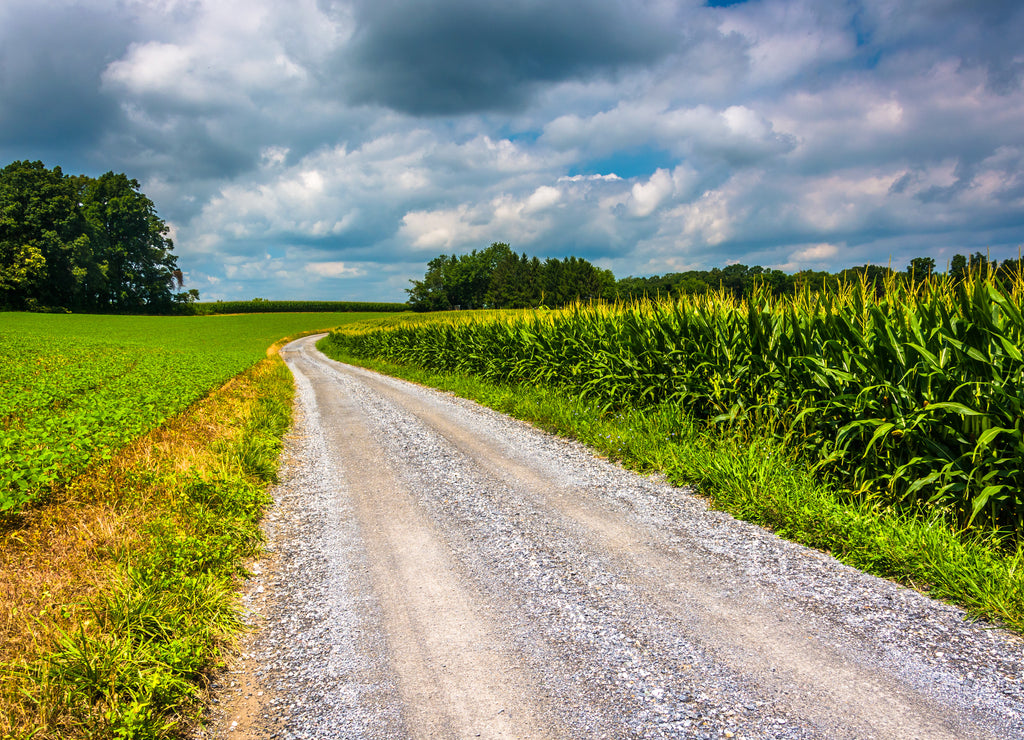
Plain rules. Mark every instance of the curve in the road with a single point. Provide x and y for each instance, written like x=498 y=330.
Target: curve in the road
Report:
x=507 y=584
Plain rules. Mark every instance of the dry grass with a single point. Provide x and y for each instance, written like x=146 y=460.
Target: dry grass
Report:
x=57 y=556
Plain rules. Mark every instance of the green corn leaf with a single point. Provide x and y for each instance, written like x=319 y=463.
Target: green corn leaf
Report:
x=981 y=500
x=956 y=408
x=880 y=432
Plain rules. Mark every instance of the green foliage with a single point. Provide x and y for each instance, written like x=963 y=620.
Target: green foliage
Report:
x=135 y=658
x=757 y=478
x=83 y=243
x=499 y=278
x=76 y=388
x=738 y=279
x=914 y=396
x=743 y=281
x=135 y=670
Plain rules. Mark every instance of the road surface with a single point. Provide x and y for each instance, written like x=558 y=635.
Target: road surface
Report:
x=441 y=571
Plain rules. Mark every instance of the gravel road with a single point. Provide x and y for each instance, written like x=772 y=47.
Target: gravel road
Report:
x=440 y=570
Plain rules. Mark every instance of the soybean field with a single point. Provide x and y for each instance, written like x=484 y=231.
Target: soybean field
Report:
x=75 y=388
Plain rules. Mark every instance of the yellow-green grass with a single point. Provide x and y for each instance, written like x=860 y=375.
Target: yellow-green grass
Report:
x=797 y=414
x=913 y=399
x=75 y=388
x=118 y=584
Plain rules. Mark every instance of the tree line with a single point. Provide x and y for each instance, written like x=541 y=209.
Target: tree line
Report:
x=497 y=277
x=81 y=243
x=742 y=280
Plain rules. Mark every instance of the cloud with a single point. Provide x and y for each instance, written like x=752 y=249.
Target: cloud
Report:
x=52 y=57
x=541 y=199
x=784 y=40
x=813 y=256
x=461 y=56
x=307 y=148
x=335 y=269
x=737 y=134
x=611 y=177
x=504 y=218
x=645 y=197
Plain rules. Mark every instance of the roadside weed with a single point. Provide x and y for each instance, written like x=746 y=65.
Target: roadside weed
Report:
x=913 y=397
x=141 y=635
x=753 y=474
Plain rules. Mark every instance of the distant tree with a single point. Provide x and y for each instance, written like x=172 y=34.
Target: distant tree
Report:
x=690 y=283
x=132 y=245
x=1011 y=271
x=979 y=264
x=920 y=268
x=514 y=283
x=563 y=281
x=814 y=280
x=778 y=282
x=83 y=243
x=457 y=281
x=499 y=278
x=960 y=266
x=735 y=278
x=44 y=246
x=873 y=275
x=430 y=294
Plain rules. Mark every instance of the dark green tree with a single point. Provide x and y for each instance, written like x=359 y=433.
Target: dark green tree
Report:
x=45 y=249
x=563 y=281
x=457 y=282
x=131 y=244
x=430 y=294
x=920 y=268
x=83 y=243
x=499 y=278
x=958 y=266
x=514 y=283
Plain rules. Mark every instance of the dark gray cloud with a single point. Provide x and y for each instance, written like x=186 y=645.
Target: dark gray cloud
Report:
x=51 y=65
x=460 y=56
x=329 y=148
x=981 y=33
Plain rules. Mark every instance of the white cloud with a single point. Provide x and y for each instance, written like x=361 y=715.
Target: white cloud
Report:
x=274 y=156
x=812 y=256
x=645 y=197
x=736 y=132
x=786 y=37
x=504 y=218
x=611 y=177
x=542 y=198
x=335 y=269
x=850 y=132
x=439 y=229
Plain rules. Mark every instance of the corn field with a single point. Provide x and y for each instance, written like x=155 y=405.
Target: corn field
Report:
x=912 y=397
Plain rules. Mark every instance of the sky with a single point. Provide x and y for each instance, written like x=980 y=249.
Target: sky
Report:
x=328 y=149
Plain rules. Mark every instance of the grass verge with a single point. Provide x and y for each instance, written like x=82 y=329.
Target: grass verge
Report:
x=756 y=479
x=119 y=593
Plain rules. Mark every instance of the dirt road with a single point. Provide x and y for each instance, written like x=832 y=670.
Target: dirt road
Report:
x=439 y=570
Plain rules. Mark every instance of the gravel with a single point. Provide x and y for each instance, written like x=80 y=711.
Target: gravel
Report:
x=634 y=610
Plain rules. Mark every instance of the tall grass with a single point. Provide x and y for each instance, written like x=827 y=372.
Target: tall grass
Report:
x=911 y=397
x=757 y=479
x=132 y=575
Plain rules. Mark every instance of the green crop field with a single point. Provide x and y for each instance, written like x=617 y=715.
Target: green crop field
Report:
x=910 y=399
x=75 y=388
